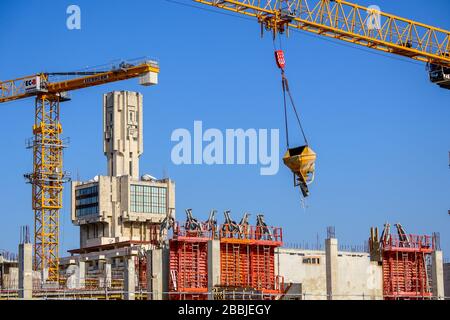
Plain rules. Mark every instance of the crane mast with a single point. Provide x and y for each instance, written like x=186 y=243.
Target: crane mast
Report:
x=48 y=174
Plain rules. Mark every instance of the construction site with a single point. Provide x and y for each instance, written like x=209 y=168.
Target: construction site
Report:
x=136 y=243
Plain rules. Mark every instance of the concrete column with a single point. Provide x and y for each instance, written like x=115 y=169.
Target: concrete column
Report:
x=331 y=252
x=213 y=266
x=130 y=278
x=108 y=276
x=157 y=274
x=25 y=271
x=154 y=274
x=165 y=272
x=81 y=277
x=437 y=275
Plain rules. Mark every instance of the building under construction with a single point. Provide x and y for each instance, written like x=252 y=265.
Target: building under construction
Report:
x=132 y=246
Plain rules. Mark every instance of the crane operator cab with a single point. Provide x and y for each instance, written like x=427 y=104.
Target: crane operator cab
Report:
x=301 y=161
x=439 y=74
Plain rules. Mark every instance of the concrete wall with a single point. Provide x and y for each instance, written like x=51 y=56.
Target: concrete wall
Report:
x=357 y=277
x=447 y=280
x=290 y=265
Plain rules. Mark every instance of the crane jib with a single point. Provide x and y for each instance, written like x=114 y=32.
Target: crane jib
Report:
x=97 y=78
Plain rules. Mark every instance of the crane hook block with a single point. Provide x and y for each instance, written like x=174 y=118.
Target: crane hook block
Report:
x=301 y=161
x=279 y=58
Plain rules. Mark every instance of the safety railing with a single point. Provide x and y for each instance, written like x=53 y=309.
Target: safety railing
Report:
x=184 y=232
x=257 y=233
x=413 y=242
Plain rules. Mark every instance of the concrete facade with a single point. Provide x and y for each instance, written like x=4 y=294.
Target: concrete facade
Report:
x=123 y=141
x=115 y=217
x=355 y=276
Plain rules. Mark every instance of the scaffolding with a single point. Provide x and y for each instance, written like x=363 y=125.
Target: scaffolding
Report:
x=405 y=267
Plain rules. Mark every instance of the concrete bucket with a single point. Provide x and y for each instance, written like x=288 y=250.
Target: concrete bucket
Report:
x=301 y=161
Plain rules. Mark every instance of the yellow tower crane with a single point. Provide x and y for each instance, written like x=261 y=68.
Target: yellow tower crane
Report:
x=342 y=20
x=48 y=176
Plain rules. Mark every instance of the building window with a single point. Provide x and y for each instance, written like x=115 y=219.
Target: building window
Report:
x=86 y=201
x=148 y=199
x=311 y=260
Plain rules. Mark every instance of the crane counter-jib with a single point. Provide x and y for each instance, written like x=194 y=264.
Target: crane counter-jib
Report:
x=25 y=87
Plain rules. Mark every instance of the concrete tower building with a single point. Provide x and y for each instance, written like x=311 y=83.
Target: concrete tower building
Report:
x=123 y=135
x=121 y=207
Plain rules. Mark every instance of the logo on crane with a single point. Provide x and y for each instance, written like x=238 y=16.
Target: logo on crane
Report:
x=32 y=84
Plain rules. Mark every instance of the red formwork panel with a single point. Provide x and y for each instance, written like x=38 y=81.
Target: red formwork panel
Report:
x=188 y=263
x=235 y=264
x=405 y=274
x=262 y=260
x=247 y=259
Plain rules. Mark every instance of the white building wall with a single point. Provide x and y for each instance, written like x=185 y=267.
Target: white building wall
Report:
x=290 y=265
x=358 y=278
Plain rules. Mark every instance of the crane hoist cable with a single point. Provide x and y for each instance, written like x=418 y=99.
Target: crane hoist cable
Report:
x=285 y=86
x=300 y=160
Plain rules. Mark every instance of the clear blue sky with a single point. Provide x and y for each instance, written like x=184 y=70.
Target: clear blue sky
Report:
x=380 y=129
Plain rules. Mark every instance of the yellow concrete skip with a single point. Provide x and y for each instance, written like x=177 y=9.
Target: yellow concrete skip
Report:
x=301 y=161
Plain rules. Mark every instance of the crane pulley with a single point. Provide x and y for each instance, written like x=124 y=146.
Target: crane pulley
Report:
x=300 y=160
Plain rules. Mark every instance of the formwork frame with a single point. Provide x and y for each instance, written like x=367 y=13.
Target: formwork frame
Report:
x=248 y=259
x=188 y=263
x=405 y=274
